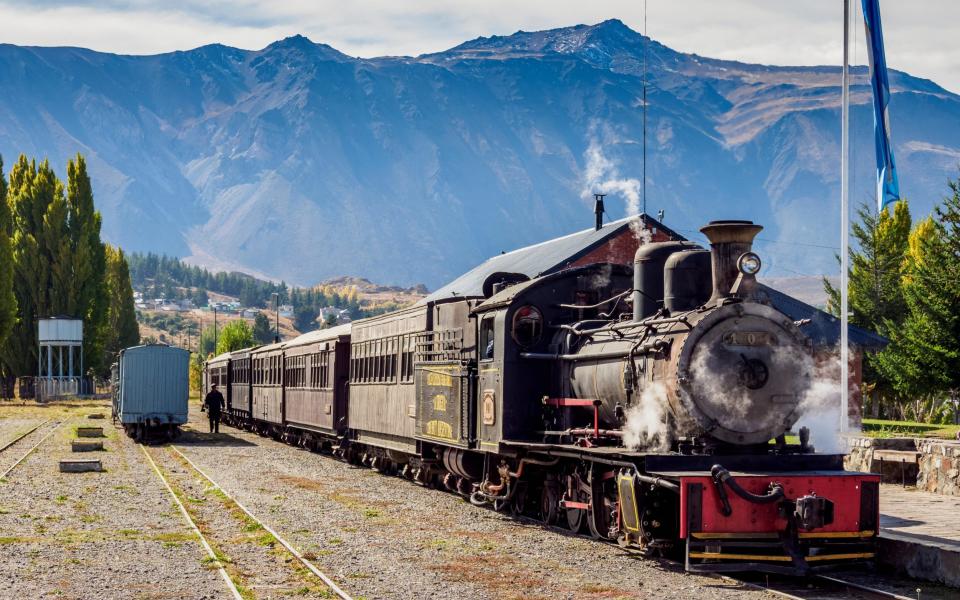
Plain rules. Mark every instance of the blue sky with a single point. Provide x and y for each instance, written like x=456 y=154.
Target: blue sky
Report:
x=921 y=36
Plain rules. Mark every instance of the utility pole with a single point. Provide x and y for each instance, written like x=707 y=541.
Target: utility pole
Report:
x=276 y=304
x=214 y=329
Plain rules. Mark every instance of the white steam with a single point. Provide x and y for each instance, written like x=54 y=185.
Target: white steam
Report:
x=820 y=406
x=646 y=426
x=602 y=176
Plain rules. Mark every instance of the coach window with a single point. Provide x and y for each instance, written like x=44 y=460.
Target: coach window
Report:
x=487 y=337
x=527 y=326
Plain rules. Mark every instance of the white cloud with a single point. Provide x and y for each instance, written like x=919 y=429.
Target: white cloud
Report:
x=748 y=30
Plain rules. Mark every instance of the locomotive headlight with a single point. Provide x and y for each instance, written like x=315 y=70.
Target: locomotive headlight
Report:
x=749 y=263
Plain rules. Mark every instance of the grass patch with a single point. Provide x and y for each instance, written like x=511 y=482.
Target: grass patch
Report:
x=129 y=532
x=371 y=513
x=60 y=499
x=881 y=428
x=304 y=483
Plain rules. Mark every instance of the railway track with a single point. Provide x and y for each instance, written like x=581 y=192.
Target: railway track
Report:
x=23 y=435
x=287 y=545
x=816 y=587
x=196 y=530
x=30 y=450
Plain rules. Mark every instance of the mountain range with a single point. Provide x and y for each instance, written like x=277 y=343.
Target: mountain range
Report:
x=299 y=162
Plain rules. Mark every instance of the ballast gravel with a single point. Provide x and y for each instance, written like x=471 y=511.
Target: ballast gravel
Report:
x=114 y=534
x=385 y=537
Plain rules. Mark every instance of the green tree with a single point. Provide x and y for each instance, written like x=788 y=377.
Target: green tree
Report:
x=927 y=361
x=84 y=288
x=58 y=259
x=122 y=329
x=876 y=297
x=8 y=301
x=208 y=341
x=304 y=318
x=196 y=370
x=235 y=335
x=262 y=331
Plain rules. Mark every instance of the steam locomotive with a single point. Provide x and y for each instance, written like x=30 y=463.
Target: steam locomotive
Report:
x=650 y=408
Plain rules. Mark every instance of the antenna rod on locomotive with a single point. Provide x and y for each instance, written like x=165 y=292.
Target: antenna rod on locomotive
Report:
x=598 y=209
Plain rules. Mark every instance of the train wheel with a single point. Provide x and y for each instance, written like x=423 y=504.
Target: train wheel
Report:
x=549 y=503
x=576 y=517
x=518 y=503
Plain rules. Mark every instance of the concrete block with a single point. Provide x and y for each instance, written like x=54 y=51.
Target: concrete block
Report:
x=90 y=432
x=85 y=446
x=80 y=465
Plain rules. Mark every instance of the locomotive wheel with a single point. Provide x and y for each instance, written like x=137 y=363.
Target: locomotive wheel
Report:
x=577 y=517
x=549 y=504
x=518 y=504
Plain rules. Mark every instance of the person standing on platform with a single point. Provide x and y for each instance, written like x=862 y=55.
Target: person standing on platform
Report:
x=213 y=404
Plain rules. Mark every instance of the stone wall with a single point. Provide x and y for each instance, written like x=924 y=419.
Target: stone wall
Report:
x=939 y=467
x=931 y=465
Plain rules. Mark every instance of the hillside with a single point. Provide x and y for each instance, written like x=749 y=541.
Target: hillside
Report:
x=300 y=163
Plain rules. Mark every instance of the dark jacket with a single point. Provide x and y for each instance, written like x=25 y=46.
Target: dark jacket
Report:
x=214 y=403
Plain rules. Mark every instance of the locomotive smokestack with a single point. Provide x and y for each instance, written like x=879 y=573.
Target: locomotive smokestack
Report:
x=729 y=240
x=598 y=209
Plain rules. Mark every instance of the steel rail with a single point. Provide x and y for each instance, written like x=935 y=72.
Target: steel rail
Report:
x=196 y=530
x=23 y=435
x=793 y=594
x=296 y=553
x=863 y=588
x=30 y=451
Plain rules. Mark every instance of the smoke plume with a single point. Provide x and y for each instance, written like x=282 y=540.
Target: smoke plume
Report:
x=602 y=176
x=646 y=426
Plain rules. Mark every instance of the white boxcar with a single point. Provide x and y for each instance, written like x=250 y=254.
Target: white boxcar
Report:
x=151 y=390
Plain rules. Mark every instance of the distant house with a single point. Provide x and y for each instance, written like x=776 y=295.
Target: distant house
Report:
x=616 y=242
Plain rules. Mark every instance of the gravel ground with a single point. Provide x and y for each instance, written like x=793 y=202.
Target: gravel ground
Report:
x=11 y=428
x=383 y=537
x=253 y=558
x=115 y=534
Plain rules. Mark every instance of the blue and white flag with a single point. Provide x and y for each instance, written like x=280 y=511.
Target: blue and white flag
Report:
x=888 y=184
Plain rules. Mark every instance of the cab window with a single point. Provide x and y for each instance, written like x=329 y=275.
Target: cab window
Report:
x=487 y=338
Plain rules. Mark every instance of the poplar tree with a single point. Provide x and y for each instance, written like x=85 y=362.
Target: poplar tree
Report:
x=58 y=260
x=84 y=293
x=121 y=328
x=8 y=301
x=31 y=195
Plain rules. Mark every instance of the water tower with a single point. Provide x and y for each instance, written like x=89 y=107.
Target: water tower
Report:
x=60 y=360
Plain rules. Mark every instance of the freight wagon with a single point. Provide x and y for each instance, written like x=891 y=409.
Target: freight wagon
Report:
x=151 y=390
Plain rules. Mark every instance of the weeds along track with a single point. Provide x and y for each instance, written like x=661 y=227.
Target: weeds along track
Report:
x=211 y=554
x=253 y=558
x=287 y=545
x=44 y=430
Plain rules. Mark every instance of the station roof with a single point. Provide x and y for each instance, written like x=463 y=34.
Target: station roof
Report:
x=560 y=253
x=823 y=328
x=539 y=259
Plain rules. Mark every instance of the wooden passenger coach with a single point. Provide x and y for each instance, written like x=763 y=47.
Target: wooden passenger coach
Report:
x=267 y=386
x=316 y=375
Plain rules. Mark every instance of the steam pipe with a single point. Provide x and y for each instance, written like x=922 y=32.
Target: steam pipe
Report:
x=645 y=349
x=598 y=304
x=723 y=476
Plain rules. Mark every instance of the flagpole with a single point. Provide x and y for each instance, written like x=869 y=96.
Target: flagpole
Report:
x=845 y=224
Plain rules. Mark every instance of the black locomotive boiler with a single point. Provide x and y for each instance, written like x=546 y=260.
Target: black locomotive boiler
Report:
x=647 y=407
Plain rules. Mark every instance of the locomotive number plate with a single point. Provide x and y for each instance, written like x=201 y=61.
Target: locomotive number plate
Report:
x=749 y=338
